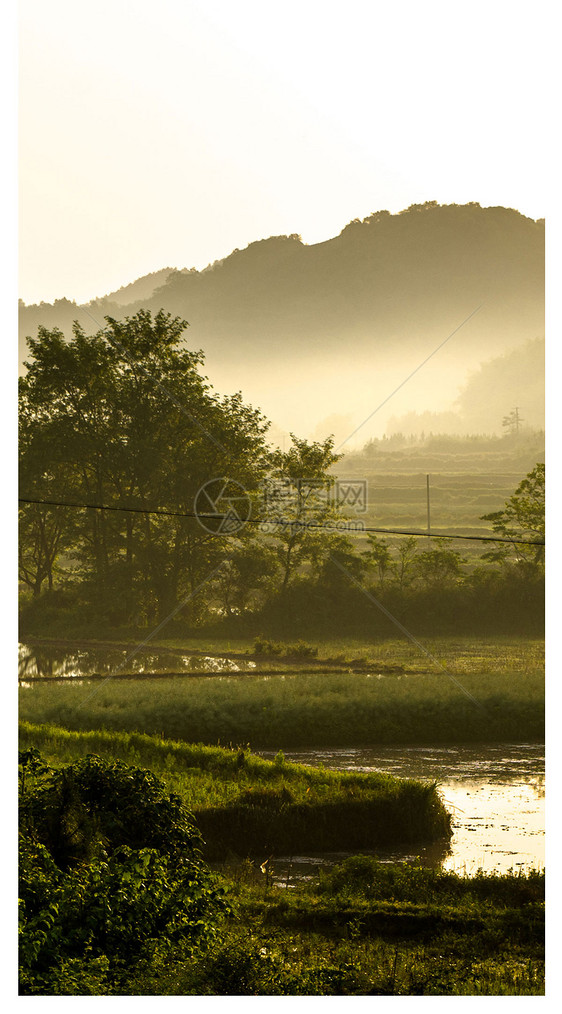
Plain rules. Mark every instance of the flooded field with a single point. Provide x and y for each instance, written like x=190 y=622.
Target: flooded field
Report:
x=495 y=793
x=51 y=661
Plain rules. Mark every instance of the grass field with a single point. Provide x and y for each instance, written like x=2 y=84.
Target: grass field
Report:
x=278 y=712
x=360 y=929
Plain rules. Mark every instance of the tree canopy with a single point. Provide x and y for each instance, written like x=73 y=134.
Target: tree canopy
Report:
x=122 y=439
x=125 y=418
x=523 y=516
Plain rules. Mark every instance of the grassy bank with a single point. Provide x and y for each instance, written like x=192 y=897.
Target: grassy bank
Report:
x=300 y=710
x=245 y=805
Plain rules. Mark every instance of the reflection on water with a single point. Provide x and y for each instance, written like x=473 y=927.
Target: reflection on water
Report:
x=494 y=792
x=43 y=661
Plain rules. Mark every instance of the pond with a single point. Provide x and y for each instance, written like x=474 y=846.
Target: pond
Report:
x=494 y=792
x=44 y=661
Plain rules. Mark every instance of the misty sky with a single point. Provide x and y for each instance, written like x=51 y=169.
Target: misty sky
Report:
x=167 y=134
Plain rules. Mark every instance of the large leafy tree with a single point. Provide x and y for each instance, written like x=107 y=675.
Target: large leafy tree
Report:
x=125 y=418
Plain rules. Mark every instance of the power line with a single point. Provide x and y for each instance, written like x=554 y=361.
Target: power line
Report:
x=281 y=522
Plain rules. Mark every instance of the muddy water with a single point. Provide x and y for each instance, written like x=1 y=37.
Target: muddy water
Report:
x=495 y=794
x=43 y=661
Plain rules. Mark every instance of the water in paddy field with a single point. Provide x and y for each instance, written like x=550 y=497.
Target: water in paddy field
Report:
x=37 y=661
x=495 y=794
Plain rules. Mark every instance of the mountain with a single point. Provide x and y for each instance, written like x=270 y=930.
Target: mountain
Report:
x=331 y=325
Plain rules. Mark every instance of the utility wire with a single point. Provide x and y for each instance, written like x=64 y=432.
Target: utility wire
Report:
x=282 y=522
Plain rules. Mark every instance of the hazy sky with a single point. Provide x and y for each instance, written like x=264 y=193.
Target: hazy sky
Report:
x=167 y=134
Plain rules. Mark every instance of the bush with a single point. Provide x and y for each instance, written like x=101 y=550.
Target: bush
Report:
x=109 y=869
x=301 y=650
x=264 y=647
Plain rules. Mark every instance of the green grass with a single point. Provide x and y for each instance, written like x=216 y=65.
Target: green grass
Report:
x=367 y=928
x=348 y=709
x=363 y=928
x=246 y=805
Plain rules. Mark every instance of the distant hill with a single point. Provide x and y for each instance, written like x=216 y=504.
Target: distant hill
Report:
x=387 y=289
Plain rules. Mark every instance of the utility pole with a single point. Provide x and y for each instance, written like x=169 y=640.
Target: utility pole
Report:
x=428 y=512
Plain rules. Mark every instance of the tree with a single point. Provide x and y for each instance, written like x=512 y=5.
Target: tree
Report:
x=298 y=494
x=512 y=421
x=523 y=517
x=41 y=531
x=405 y=567
x=44 y=531
x=247 y=574
x=124 y=417
x=438 y=568
x=378 y=555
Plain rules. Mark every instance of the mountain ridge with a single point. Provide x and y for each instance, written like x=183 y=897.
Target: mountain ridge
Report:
x=359 y=269
x=335 y=323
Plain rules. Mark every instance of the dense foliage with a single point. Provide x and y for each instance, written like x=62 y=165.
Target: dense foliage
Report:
x=125 y=419
x=131 y=924
x=375 y=929
x=111 y=875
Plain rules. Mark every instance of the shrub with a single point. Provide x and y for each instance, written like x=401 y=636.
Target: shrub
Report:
x=301 y=650
x=109 y=868
x=264 y=647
